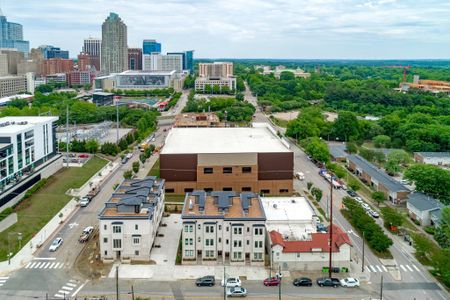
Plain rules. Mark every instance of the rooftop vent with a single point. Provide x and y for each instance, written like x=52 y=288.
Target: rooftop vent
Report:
x=275 y=205
x=191 y=204
x=292 y=200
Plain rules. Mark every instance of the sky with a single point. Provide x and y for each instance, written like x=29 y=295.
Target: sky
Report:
x=301 y=29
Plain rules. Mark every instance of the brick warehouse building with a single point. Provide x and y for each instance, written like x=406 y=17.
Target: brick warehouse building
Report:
x=227 y=159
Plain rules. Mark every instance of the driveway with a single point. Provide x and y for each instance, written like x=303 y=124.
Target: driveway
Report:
x=167 y=253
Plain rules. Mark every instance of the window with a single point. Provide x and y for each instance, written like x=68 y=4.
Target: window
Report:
x=117 y=243
x=189 y=253
x=257 y=256
x=298 y=255
x=237 y=230
x=284 y=191
x=209 y=242
x=227 y=170
x=117 y=229
x=237 y=243
x=227 y=242
x=170 y=190
x=186 y=228
x=246 y=169
x=105 y=240
x=209 y=253
x=136 y=240
x=246 y=189
x=228 y=228
x=191 y=228
x=265 y=191
x=188 y=190
x=208 y=190
x=248 y=242
x=106 y=253
x=199 y=239
x=258 y=244
x=136 y=226
x=186 y=242
x=207 y=170
x=136 y=252
x=227 y=189
x=199 y=226
x=220 y=227
x=191 y=242
x=248 y=229
x=104 y=227
x=209 y=229
x=220 y=240
x=237 y=255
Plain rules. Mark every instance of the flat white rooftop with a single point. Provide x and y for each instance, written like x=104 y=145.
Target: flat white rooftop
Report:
x=30 y=122
x=293 y=217
x=223 y=140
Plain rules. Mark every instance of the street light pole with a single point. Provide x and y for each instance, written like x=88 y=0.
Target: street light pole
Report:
x=224 y=284
x=331 y=226
x=381 y=288
x=279 y=285
x=117 y=121
x=271 y=263
x=363 y=240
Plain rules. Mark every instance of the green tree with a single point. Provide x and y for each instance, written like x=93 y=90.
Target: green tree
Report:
x=423 y=246
x=382 y=141
x=317 y=193
x=142 y=158
x=346 y=126
x=354 y=184
x=109 y=149
x=351 y=147
x=441 y=264
x=128 y=174
x=442 y=234
x=430 y=179
x=309 y=185
x=317 y=149
x=379 y=197
x=135 y=167
x=392 y=217
x=92 y=146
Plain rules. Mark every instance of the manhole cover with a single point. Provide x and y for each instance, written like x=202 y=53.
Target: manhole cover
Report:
x=165 y=260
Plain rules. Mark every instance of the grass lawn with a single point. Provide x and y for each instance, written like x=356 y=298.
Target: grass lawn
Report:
x=154 y=171
x=37 y=210
x=174 y=198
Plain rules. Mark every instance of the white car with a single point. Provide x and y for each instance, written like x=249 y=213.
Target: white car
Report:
x=56 y=244
x=84 y=201
x=237 y=292
x=232 y=282
x=374 y=214
x=300 y=176
x=365 y=206
x=350 y=282
x=359 y=200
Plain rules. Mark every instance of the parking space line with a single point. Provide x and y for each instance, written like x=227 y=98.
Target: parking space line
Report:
x=373 y=269
x=409 y=268
x=417 y=269
x=403 y=268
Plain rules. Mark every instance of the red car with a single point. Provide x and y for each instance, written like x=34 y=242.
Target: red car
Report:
x=83 y=156
x=273 y=281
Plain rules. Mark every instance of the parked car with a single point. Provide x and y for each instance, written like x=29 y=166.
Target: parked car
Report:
x=300 y=176
x=321 y=228
x=272 y=281
x=237 y=292
x=365 y=206
x=352 y=193
x=56 y=244
x=374 y=214
x=208 y=280
x=303 y=281
x=232 y=282
x=84 y=201
x=359 y=200
x=325 y=281
x=350 y=282
x=85 y=234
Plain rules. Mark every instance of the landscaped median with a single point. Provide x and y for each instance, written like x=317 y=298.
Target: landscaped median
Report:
x=38 y=209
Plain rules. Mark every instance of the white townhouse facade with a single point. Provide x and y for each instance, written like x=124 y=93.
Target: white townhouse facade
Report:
x=223 y=227
x=129 y=222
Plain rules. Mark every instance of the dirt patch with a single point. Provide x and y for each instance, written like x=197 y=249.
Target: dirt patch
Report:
x=88 y=263
x=286 y=115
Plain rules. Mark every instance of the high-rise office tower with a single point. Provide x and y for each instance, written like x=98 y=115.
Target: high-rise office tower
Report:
x=188 y=59
x=114 y=51
x=151 y=46
x=92 y=46
x=11 y=35
x=53 y=52
x=134 y=59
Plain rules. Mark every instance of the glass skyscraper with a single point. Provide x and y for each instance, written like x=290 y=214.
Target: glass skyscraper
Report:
x=151 y=46
x=11 y=35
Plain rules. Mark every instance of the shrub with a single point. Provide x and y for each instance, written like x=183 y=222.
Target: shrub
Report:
x=430 y=230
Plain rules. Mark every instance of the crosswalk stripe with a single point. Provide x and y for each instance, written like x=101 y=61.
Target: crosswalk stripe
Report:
x=52 y=265
x=71 y=284
x=373 y=269
x=1 y=284
x=59 y=296
x=37 y=266
x=73 y=281
x=4 y=278
x=3 y=281
x=46 y=265
x=61 y=266
x=68 y=288
x=368 y=269
x=32 y=265
x=63 y=292
x=409 y=268
x=403 y=268
x=28 y=265
x=417 y=269
x=379 y=269
x=57 y=265
x=384 y=268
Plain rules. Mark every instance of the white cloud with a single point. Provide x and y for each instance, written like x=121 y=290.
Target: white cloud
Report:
x=249 y=28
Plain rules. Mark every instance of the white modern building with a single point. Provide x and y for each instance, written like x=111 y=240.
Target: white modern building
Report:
x=159 y=62
x=130 y=219
x=13 y=85
x=225 y=227
x=294 y=243
x=92 y=46
x=137 y=80
x=25 y=143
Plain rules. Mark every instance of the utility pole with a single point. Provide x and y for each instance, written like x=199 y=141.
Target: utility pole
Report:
x=331 y=227
x=117 y=282
x=132 y=292
x=362 y=266
x=279 y=285
x=67 y=136
x=381 y=288
x=224 y=284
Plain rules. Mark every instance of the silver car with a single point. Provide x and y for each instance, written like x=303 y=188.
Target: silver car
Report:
x=56 y=244
x=237 y=292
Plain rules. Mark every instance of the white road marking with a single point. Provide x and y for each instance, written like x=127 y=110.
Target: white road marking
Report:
x=46 y=265
x=403 y=268
x=28 y=265
x=368 y=269
x=409 y=268
x=61 y=266
x=417 y=269
x=37 y=265
x=73 y=281
x=379 y=269
x=384 y=268
x=57 y=265
x=32 y=265
x=2 y=281
x=63 y=292
x=59 y=296
x=52 y=265
x=373 y=269
x=4 y=278
x=45 y=258
x=68 y=288
x=71 y=284
x=79 y=289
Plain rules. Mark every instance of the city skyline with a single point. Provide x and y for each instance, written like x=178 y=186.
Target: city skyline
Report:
x=375 y=29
